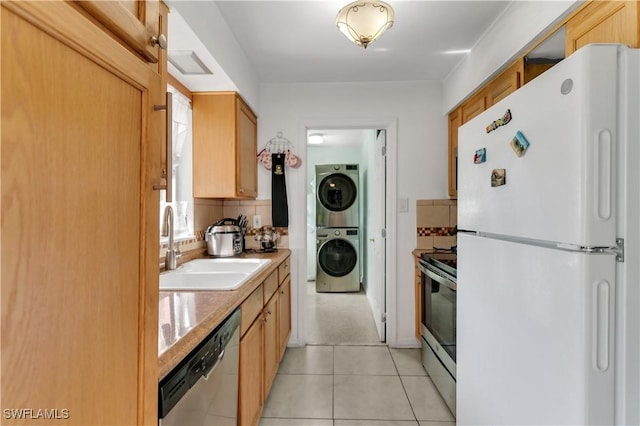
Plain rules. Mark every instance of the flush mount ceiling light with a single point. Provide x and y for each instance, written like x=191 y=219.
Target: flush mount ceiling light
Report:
x=315 y=138
x=363 y=22
x=187 y=62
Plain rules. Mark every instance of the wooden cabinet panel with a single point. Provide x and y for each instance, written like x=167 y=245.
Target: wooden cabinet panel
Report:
x=283 y=270
x=473 y=107
x=603 y=22
x=224 y=146
x=271 y=346
x=251 y=396
x=79 y=304
x=284 y=315
x=504 y=84
x=455 y=121
x=134 y=22
x=270 y=286
x=247 y=170
x=251 y=308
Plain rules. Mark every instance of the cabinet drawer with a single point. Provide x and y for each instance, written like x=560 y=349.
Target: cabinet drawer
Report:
x=283 y=270
x=251 y=307
x=270 y=286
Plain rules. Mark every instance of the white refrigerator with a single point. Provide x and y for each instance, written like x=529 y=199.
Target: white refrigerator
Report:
x=548 y=265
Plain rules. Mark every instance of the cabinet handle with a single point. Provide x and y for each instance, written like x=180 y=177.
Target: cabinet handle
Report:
x=161 y=41
x=281 y=291
x=167 y=171
x=242 y=190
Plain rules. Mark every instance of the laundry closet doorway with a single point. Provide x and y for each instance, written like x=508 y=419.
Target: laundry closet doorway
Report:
x=346 y=307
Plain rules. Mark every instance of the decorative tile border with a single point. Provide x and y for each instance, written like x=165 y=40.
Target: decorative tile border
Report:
x=438 y=232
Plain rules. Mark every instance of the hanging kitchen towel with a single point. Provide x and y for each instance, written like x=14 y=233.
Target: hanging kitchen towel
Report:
x=279 y=206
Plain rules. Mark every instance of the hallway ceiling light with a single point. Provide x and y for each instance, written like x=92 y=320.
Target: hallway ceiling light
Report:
x=364 y=21
x=315 y=138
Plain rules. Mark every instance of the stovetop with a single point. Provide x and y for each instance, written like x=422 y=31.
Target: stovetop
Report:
x=447 y=256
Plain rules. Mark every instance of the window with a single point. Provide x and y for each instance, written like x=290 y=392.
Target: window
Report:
x=182 y=168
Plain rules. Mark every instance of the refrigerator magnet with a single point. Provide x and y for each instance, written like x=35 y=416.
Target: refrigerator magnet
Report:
x=498 y=177
x=480 y=156
x=499 y=122
x=519 y=144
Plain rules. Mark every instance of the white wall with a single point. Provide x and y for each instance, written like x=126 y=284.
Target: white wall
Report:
x=207 y=23
x=521 y=23
x=421 y=169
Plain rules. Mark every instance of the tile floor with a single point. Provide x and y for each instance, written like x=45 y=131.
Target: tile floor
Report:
x=346 y=377
x=326 y=385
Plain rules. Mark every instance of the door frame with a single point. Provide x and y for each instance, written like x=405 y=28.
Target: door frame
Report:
x=390 y=125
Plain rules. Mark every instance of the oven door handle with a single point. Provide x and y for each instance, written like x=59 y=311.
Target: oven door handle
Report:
x=426 y=269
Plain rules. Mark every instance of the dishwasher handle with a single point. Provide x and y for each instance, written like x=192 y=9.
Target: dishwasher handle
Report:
x=213 y=367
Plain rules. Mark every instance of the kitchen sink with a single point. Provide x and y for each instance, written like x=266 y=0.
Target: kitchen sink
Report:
x=212 y=274
x=219 y=265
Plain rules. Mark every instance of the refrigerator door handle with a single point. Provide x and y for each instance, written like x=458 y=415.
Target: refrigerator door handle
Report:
x=601 y=338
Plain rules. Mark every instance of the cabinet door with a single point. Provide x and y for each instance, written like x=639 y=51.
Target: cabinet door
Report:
x=247 y=167
x=284 y=315
x=506 y=83
x=473 y=107
x=79 y=232
x=251 y=396
x=271 y=347
x=603 y=22
x=134 y=22
x=455 y=121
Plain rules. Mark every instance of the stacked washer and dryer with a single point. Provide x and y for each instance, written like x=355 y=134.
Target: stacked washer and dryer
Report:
x=337 y=228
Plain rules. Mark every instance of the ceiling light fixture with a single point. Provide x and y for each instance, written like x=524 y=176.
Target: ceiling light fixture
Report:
x=187 y=62
x=315 y=139
x=363 y=22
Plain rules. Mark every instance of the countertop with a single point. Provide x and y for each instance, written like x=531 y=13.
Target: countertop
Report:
x=187 y=317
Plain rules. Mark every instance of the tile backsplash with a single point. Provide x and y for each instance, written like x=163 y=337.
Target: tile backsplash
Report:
x=208 y=211
x=436 y=222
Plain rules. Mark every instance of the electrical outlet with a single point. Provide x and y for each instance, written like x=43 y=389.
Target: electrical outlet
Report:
x=257 y=221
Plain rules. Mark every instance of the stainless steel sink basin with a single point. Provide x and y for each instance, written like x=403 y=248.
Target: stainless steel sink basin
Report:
x=212 y=274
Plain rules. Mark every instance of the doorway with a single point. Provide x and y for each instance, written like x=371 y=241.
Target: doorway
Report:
x=349 y=317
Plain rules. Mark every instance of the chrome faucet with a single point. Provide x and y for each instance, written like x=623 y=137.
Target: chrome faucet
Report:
x=167 y=230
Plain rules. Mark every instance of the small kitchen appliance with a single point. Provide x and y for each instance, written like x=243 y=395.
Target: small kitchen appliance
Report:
x=224 y=238
x=268 y=238
x=548 y=247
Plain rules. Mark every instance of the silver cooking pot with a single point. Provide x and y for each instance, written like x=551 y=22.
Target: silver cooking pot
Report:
x=224 y=240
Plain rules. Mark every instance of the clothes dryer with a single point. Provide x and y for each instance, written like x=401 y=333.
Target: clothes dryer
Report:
x=338 y=260
x=337 y=187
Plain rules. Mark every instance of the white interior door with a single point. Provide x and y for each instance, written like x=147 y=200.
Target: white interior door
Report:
x=376 y=241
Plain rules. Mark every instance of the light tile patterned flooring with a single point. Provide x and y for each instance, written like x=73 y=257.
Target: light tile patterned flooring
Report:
x=351 y=383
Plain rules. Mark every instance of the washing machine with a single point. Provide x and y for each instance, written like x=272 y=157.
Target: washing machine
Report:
x=338 y=260
x=337 y=187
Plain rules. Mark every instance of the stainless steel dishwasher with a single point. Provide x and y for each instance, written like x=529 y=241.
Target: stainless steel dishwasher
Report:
x=203 y=388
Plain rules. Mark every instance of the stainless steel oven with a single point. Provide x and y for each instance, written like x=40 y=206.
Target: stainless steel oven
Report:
x=438 y=322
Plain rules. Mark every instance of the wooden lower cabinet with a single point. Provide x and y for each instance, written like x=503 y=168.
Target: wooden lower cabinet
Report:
x=79 y=241
x=284 y=314
x=251 y=397
x=271 y=346
x=263 y=344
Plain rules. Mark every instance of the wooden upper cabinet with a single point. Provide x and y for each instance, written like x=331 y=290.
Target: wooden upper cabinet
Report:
x=473 y=107
x=504 y=84
x=224 y=146
x=603 y=22
x=455 y=121
x=80 y=154
x=133 y=22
